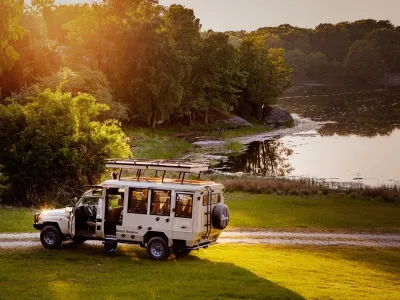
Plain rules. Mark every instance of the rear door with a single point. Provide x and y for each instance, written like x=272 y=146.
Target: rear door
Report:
x=182 y=214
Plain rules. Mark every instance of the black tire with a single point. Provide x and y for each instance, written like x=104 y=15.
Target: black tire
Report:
x=78 y=240
x=157 y=248
x=50 y=237
x=182 y=252
x=220 y=216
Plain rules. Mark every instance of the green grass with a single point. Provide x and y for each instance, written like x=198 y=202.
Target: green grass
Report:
x=243 y=131
x=233 y=146
x=221 y=272
x=158 y=146
x=16 y=219
x=272 y=211
x=321 y=212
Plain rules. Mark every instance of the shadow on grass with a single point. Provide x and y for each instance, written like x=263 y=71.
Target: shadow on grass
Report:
x=85 y=272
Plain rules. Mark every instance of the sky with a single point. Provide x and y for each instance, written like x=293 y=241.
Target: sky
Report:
x=224 y=15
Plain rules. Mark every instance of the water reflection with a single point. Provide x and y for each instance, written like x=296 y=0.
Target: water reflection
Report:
x=367 y=113
x=267 y=158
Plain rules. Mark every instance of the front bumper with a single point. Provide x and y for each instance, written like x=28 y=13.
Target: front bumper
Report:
x=36 y=224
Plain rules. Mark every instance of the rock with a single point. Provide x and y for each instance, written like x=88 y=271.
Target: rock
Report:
x=236 y=121
x=277 y=116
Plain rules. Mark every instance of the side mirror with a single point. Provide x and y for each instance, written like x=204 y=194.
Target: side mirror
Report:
x=68 y=209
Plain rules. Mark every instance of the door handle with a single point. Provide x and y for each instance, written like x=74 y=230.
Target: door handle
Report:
x=183 y=227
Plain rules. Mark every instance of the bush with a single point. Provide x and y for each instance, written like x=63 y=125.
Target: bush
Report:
x=52 y=144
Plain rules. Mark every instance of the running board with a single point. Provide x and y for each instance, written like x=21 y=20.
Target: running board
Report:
x=204 y=245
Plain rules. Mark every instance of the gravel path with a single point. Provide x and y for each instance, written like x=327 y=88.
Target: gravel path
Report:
x=29 y=240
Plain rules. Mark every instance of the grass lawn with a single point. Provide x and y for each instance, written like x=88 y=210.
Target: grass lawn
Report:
x=221 y=272
x=322 y=212
x=272 y=211
x=16 y=219
x=156 y=146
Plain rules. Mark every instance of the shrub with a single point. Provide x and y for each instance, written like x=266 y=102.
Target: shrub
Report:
x=53 y=142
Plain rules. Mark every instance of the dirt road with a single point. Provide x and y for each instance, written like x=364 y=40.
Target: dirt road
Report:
x=28 y=240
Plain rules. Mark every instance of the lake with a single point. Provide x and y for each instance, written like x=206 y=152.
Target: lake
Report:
x=339 y=135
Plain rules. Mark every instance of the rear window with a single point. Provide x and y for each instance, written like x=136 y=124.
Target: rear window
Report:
x=216 y=198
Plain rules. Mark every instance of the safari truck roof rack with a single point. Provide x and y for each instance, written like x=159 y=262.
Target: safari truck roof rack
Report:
x=182 y=167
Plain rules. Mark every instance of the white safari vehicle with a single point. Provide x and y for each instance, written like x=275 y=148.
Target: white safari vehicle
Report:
x=164 y=215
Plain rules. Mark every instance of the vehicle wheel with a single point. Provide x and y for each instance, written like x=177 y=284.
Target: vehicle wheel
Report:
x=182 y=252
x=78 y=240
x=157 y=248
x=50 y=237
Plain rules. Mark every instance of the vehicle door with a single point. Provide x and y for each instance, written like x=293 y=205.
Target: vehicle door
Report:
x=85 y=211
x=160 y=211
x=136 y=219
x=182 y=214
x=71 y=222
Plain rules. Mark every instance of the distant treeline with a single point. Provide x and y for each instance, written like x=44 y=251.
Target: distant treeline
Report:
x=359 y=52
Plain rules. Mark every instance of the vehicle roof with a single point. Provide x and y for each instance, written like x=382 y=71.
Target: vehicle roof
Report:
x=188 y=185
x=156 y=164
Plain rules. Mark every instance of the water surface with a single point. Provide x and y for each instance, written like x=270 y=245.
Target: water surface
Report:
x=350 y=137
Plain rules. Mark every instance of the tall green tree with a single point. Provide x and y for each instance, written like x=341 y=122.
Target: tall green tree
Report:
x=267 y=75
x=385 y=42
x=317 y=64
x=297 y=60
x=10 y=30
x=363 y=62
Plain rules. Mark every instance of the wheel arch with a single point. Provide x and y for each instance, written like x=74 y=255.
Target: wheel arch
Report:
x=55 y=224
x=151 y=234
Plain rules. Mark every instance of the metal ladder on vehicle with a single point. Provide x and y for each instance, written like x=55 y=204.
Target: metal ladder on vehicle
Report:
x=208 y=213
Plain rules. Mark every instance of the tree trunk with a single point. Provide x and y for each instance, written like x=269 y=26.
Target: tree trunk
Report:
x=206 y=118
x=190 y=119
x=154 y=121
x=259 y=112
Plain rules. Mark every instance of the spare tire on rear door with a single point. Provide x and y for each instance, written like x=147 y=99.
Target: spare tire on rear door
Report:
x=220 y=216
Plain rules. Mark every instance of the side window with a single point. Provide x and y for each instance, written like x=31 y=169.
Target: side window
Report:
x=160 y=202
x=137 y=202
x=183 y=205
x=216 y=198
x=89 y=200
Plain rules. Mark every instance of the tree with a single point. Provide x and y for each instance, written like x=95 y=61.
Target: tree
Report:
x=87 y=37
x=385 y=42
x=317 y=64
x=37 y=56
x=55 y=142
x=92 y=82
x=363 y=62
x=331 y=40
x=297 y=60
x=217 y=79
x=267 y=75
x=10 y=30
